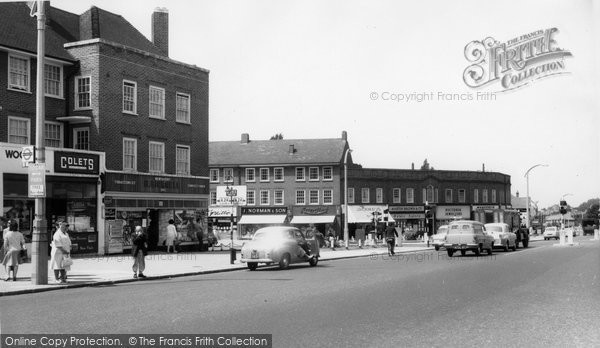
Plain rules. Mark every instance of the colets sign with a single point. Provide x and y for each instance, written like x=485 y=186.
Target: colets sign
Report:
x=75 y=162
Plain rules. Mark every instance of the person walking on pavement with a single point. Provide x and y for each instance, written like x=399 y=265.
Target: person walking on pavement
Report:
x=61 y=247
x=171 y=235
x=139 y=251
x=390 y=238
x=13 y=244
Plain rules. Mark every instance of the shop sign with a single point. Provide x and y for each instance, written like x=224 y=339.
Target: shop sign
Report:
x=28 y=155
x=124 y=182
x=220 y=212
x=75 y=162
x=452 y=212
x=485 y=207
x=37 y=180
x=264 y=210
x=408 y=216
x=229 y=195
x=406 y=208
x=315 y=210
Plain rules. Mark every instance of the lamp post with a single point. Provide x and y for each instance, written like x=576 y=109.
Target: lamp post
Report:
x=346 y=234
x=231 y=193
x=527 y=176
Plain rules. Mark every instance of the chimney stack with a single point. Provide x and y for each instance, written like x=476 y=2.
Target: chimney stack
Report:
x=413 y=166
x=344 y=135
x=160 y=29
x=483 y=167
x=245 y=138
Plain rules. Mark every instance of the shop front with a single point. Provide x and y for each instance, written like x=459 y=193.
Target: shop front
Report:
x=151 y=201
x=72 y=194
x=324 y=218
x=411 y=218
x=253 y=218
x=364 y=220
x=221 y=219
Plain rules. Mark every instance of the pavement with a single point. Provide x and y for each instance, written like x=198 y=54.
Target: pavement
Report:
x=99 y=270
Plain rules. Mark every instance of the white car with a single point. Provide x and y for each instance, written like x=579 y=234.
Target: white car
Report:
x=503 y=237
x=551 y=232
x=440 y=237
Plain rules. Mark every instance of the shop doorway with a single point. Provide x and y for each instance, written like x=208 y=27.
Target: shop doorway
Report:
x=152 y=229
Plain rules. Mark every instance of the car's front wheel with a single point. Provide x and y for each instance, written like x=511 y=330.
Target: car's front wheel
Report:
x=285 y=261
x=450 y=252
x=437 y=248
x=489 y=251
x=252 y=266
x=314 y=261
x=478 y=250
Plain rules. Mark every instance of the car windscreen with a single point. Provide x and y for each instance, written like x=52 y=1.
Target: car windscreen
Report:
x=460 y=229
x=269 y=235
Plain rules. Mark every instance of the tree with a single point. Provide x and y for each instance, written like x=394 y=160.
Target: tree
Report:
x=278 y=136
x=592 y=212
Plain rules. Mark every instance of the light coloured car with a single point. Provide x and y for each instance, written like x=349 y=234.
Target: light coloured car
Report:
x=467 y=235
x=439 y=237
x=280 y=245
x=503 y=237
x=551 y=232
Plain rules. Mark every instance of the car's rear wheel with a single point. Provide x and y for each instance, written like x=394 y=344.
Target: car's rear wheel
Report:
x=252 y=266
x=463 y=252
x=314 y=261
x=450 y=252
x=285 y=261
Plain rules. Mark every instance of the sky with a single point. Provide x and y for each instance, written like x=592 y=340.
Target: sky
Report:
x=312 y=69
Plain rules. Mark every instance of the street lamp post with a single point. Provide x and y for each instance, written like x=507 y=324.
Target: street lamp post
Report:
x=346 y=234
x=528 y=198
x=231 y=193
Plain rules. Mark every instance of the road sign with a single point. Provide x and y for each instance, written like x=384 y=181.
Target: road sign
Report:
x=28 y=155
x=37 y=180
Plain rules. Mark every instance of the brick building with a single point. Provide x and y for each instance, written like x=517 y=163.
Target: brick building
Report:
x=451 y=194
x=112 y=93
x=296 y=181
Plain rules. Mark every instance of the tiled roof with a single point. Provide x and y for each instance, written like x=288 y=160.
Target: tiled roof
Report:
x=518 y=202
x=256 y=152
x=18 y=29
x=115 y=28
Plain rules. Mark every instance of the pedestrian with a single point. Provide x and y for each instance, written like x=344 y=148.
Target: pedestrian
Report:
x=171 y=235
x=331 y=236
x=5 y=229
x=199 y=233
x=60 y=254
x=13 y=244
x=390 y=238
x=139 y=252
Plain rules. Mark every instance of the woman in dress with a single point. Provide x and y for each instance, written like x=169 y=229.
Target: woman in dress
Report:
x=13 y=244
x=61 y=247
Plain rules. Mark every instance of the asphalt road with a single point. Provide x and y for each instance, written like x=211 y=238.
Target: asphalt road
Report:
x=541 y=296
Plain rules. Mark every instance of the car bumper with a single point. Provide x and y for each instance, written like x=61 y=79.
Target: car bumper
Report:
x=461 y=246
x=263 y=260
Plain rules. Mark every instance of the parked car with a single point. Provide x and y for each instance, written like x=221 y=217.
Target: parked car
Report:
x=280 y=245
x=551 y=232
x=439 y=237
x=466 y=235
x=503 y=237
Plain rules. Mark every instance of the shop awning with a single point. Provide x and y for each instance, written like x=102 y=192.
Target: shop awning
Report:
x=261 y=219
x=364 y=213
x=313 y=219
